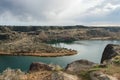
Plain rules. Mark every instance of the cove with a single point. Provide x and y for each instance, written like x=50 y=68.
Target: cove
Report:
x=87 y=49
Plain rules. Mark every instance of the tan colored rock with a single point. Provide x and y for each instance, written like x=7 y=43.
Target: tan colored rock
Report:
x=39 y=66
x=63 y=76
x=97 y=75
x=79 y=65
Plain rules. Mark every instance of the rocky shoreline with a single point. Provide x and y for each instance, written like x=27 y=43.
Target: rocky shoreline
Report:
x=73 y=52
x=109 y=69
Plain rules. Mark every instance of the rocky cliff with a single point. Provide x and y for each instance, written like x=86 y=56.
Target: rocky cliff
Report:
x=110 y=51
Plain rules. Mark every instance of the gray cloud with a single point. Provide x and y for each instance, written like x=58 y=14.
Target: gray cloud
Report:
x=59 y=12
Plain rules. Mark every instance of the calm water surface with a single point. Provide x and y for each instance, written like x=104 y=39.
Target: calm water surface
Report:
x=90 y=50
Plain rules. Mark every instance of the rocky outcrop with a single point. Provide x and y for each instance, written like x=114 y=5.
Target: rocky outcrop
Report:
x=63 y=76
x=110 y=51
x=97 y=75
x=77 y=70
x=36 y=68
x=39 y=66
x=12 y=74
x=79 y=65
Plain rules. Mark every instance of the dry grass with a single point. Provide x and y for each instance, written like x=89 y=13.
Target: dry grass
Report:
x=29 y=46
x=11 y=74
x=112 y=70
x=42 y=75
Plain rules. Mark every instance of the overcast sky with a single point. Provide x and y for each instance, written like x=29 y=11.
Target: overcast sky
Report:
x=60 y=12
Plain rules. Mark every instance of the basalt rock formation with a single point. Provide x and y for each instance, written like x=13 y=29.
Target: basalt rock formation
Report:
x=110 y=51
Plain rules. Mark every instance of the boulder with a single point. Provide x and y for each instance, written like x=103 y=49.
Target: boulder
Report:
x=38 y=66
x=79 y=65
x=110 y=51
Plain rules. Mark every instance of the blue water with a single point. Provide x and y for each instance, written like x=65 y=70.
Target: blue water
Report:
x=90 y=50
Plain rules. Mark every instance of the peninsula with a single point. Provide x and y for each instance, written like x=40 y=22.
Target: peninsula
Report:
x=35 y=40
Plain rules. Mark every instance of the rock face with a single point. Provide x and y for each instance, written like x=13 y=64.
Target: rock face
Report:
x=79 y=65
x=38 y=66
x=110 y=51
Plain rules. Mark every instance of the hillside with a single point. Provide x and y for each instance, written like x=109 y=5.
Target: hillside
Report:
x=60 y=33
x=31 y=40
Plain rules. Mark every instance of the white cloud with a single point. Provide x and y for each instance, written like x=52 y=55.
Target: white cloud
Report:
x=54 y=11
x=105 y=9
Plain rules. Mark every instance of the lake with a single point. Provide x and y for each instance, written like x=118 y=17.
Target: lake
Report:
x=87 y=49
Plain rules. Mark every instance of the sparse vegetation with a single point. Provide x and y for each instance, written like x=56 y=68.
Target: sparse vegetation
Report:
x=28 y=43
x=116 y=60
x=32 y=41
x=84 y=75
x=11 y=74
